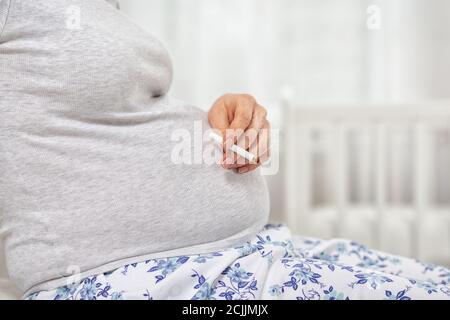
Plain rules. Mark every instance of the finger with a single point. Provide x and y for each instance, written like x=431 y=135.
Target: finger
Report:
x=238 y=162
x=244 y=107
x=243 y=115
x=251 y=166
x=264 y=141
x=218 y=118
x=230 y=161
x=251 y=134
x=248 y=168
x=234 y=161
x=265 y=157
x=260 y=148
x=249 y=138
x=248 y=141
x=244 y=144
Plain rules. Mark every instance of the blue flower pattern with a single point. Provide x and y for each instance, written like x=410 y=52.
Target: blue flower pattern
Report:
x=274 y=265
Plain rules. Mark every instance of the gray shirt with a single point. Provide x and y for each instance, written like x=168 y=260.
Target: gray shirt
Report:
x=86 y=177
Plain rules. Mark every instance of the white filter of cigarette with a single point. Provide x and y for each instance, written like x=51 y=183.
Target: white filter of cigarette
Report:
x=235 y=148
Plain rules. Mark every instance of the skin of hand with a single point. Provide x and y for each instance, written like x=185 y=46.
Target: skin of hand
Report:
x=242 y=121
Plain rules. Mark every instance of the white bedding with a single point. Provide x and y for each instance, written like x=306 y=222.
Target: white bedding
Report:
x=273 y=265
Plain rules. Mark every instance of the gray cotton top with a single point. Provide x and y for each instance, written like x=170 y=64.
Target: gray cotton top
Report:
x=86 y=177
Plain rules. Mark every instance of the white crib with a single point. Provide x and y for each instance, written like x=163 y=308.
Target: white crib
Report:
x=372 y=173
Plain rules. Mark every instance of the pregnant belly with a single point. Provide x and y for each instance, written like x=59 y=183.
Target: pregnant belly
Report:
x=91 y=194
x=211 y=204
x=121 y=189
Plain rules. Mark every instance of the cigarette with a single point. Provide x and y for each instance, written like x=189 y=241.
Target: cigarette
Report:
x=240 y=151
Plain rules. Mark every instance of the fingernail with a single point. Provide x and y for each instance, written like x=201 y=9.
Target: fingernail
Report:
x=243 y=170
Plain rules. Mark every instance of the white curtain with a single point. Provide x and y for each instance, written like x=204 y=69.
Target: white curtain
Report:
x=323 y=50
x=315 y=48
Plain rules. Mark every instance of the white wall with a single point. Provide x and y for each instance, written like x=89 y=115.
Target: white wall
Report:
x=322 y=49
x=260 y=46
x=417 y=49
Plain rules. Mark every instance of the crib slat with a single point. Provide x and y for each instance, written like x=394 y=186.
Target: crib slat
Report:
x=380 y=187
x=340 y=176
x=422 y=166
x=304 y=190
x=292 y=205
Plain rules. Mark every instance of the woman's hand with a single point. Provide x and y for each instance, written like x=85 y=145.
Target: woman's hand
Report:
x=242 y=121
